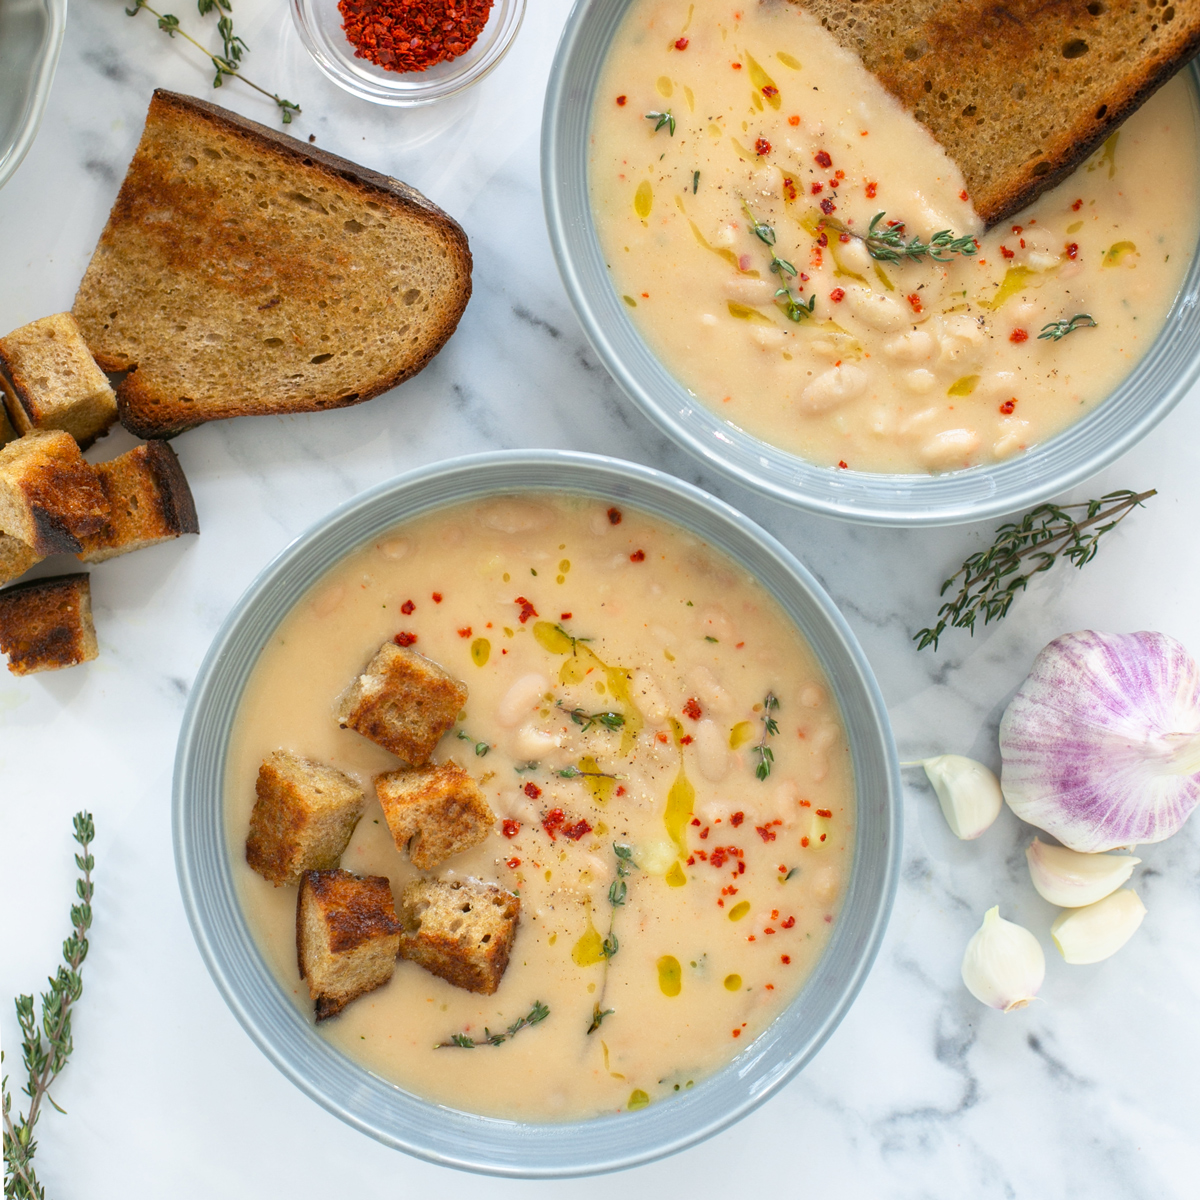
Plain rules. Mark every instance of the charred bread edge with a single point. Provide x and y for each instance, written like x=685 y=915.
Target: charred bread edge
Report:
x=362 y=178
x=174 y=493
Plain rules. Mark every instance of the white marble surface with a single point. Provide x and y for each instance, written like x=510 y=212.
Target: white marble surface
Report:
x=1094 y=1091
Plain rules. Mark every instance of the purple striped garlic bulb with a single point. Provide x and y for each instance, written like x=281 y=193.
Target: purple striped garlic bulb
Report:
x=1101 y=744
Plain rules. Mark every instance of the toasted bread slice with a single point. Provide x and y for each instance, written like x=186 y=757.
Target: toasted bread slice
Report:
x=15 y=558
x=347 y=937
x=149 y=502
x=7 y=432
x=304 y=815
x=1018 y=94
x=49 y=496
x=462 y=931
x=46 y=624
x=242 y=272
x=402 y=702
x=51 y=381
x=435 y=811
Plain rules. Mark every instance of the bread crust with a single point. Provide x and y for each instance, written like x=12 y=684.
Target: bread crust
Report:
x=1088 y=65
x=192 y=242
x=46 y=624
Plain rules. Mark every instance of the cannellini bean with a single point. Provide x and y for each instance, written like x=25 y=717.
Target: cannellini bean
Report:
x=914 y=346
x=521 y=698
x=394 y=548
x=712 y=751
x=961 y=340
x=877 y=310
x=516 y=516
x=708 y=690
x=836 y=345
x=329 y=600
x=650 y=698
x=812 y=695
x=855 y=256
x=920 y=419
x=1014 y=435
x=749 y=291
x=768 y=339
x=920 y=381
x=833 y=387
x=532 y=744
x=825 y=882
x=949 y=449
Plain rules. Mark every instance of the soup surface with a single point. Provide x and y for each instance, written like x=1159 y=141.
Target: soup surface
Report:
x=740 y=151
x=624 y=652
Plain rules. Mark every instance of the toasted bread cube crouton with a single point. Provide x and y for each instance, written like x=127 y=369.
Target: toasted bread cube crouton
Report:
x=15 y=558
x=347 y=937
x=49 y=496
x=7 y=432
x=303 y=817
x=47 y=624
x=149 y=502
x=435 y=811
x=403 y=702
x=462 y=930
x=51 y=381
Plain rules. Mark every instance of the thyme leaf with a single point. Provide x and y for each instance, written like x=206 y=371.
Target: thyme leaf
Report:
x=991 y=579
x=225 y=64
x=577 y=773
x=618 y=892
x=46 y=1045
x=766 y=756
x=887 y=244
x=661 y=119
x=609 y=720
x=598 y=1016
x=793 y=307
x=539 y=1012
x=1057 y=330
x=481 y=748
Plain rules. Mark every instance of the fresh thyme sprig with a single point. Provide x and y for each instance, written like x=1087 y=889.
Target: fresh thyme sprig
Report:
x=481 y=748
x=793 y=307
x=234 y=49
x=576 y=773
x=661 y=119
x=45 y=1059
x=888 y=244
x=991 y=578
x=609 y=720
x=572 y=639
x=1057 y=330
x=539 y=1012
x=766 y=756
x=618 y=891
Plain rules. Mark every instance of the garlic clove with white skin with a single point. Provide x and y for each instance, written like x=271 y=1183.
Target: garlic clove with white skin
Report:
x=1101 y=744
x=1003 y=965
x=1072 y=880
x=1092 y=934
x=967 y=791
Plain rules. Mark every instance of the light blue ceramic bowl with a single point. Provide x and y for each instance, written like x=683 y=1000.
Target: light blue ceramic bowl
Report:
x=1155 y=386
x=394 y=1116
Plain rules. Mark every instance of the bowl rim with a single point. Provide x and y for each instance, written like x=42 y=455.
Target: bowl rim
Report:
x=410 y=89
x=477 y=1143
x=1048 y=468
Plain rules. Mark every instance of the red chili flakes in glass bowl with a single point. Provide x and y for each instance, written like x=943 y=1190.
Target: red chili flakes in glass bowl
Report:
x=412 y=35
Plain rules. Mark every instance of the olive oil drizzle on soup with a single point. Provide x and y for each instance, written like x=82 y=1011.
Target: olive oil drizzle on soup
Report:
x=544 y=607
x=901 y=367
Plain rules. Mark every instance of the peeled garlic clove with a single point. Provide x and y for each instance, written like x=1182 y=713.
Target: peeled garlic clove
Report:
x=1092 y=934
x=967 y=791
x=1070 y=879
x=1003 y=966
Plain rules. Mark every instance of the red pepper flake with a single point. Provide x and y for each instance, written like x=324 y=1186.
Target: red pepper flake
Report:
x=837 y=295
x=704 y=834
x=1007 y=252
x=621 y=101
x=405 y=639
x=1019 y=336
x=789 y=187
x=822 y=241
x=804 y=841
x=564 y=616
x=1077 y=205
x=843 y=237
x=963 y=194
x=794 y=119
x=692 y=709
x=805 y=803
x=768 y=931
x=412 y=35
x=829 y=918
x=576 y=831
x=822 y=159
x=843 y=465
x=872 y=188
x=741 y=868
x=737 y=819
x=914 y=300
x=1007 y=407
x=785 y=959
x=686 y=740
x=1018 y=229
x=681 y=44
x=695 y=820
x=511 y=828
x=817 y=188
x=621 y=790
x=840 y=175
x=661 y=737
x=739 y=645
x=737 y=1033
x=407 y=608
x=1072 y=250
x=614 y=516
x=553 y=821
x=752 y=938
x=465 y=631
x=770 y=987
x=527 y=609
x=824 y=812
x=767 y=835
x=736 y=66
x=720 y=903
x=532 y=790
x=638 y=556
x=436 y=597
x=769 y=90
x=828 y=206
x=719 y=856
x=761 y=146
x=514 y=863
x=774 y=914
x=691 y=862
x=787 y=924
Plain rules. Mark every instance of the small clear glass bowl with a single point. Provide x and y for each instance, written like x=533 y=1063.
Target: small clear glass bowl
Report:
x=319 y=24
